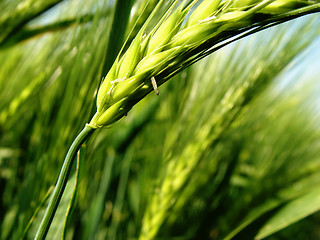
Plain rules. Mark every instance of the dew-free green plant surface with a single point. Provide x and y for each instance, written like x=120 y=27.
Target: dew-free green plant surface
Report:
x=228 y=150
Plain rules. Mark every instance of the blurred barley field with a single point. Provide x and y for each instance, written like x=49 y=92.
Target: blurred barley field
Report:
x=230 y=149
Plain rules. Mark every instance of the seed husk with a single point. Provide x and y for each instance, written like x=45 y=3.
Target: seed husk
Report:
x=130 y=59
x=203 y=11
x=105 y=87
x=164 y=33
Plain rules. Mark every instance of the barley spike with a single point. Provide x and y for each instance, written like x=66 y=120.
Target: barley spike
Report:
x=182 y=36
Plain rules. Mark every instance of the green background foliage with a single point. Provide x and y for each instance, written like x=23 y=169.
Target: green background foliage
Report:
x=229 y=149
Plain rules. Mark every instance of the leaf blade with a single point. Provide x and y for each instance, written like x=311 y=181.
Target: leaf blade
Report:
x=292 y=212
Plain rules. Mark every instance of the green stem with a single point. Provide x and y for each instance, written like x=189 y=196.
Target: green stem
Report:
x=61 y=182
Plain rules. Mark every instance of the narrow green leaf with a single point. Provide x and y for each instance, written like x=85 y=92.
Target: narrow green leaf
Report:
x=254 y=215
x=300 y=189
x=72 y=202
x=36 y=213
x=62 y=216
x=27 y=32
x=21 y=13
x=98 y=203
x=117 y=33
x=292 y=212
x=56 y=230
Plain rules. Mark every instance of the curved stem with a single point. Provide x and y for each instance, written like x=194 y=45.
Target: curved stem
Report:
x=61 y=182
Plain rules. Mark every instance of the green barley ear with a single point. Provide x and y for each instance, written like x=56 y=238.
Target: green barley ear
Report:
x=203 y=11
x=168 y=48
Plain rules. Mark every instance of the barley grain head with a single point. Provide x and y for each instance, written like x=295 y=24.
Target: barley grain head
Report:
x=175 y=42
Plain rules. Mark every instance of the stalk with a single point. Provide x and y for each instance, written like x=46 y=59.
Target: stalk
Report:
x=61 y=182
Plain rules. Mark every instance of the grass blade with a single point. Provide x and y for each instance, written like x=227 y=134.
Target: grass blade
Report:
x=291 y=212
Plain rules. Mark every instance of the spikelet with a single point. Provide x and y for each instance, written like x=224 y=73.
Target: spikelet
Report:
x=104 y=87
x=165 y=31
x=111 y=114
x=280 y=6
x=192 y=35
x=205 y=10
x=150 y=62
x=130 y=58
x=243 y=4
